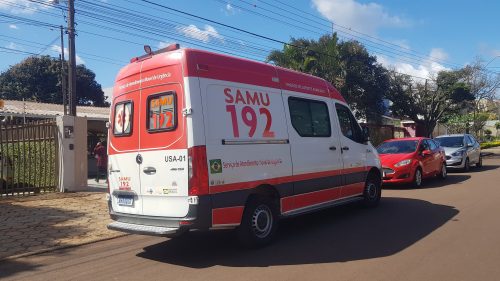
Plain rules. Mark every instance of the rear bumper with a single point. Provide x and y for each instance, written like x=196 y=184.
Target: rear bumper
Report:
x=142 y=229
x=198 y=217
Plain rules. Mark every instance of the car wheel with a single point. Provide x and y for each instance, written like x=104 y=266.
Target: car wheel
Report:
x=417 y=178
x=479 y=163
x=444 y=173
x=259 y=222
x=466 y=165
x=372 y=192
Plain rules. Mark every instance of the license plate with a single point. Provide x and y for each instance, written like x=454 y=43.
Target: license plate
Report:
x=125 y=200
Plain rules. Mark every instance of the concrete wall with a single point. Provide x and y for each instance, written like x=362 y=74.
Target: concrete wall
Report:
x=72 y=136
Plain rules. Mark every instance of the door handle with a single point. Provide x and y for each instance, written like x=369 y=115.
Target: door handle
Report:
x=333 y=148
x=345 y=148
x=149 y=170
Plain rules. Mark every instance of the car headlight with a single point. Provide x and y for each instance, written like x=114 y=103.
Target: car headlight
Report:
x=403 y=163
x=458 y=153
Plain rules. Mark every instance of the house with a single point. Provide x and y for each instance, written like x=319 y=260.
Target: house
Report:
x=97 y=117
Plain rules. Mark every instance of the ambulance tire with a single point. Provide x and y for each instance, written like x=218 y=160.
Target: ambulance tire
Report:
x=372 y=191
x=259 y=222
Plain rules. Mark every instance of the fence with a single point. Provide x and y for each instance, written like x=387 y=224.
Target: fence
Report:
x=28 y=156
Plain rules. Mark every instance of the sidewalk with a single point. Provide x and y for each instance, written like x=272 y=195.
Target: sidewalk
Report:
x=491 y=152
x=56 y=220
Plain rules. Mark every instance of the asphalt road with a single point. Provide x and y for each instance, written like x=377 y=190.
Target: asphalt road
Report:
x=447 y=230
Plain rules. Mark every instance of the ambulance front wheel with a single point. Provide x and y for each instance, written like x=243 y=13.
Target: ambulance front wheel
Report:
x=259 y=222
x=372 y=191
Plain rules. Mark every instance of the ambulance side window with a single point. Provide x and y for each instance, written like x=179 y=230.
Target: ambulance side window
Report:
x=122 y=123
x=309 y=117
x=162 y=112
x=348 y=124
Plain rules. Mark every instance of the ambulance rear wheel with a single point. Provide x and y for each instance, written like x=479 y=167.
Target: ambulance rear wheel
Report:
x=259 y=222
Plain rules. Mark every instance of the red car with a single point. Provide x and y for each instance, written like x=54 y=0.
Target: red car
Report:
x=409 y=160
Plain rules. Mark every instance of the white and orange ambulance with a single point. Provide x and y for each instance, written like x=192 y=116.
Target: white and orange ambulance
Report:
x=200 y=141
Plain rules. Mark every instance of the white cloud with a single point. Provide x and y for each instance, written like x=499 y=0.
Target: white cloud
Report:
x=366 y=18
x=24 y=6
x=426 y=69
x=108 y=93
x=13 y=46
x=13 y=26
x=57 y=49
x=205 y=35
x=230 y=10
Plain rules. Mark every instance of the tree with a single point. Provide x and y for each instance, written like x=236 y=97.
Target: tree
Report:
x=483 y=85
x=39 y=79
x=497 y=127
x=347 y=65
x=431 y=101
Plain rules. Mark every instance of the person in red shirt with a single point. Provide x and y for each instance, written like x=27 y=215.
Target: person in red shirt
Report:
x=102 y=160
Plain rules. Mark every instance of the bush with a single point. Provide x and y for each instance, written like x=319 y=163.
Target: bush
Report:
x=490 y=144
x=32 y=163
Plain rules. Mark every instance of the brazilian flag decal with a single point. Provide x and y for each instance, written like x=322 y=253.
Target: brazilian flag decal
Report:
x=215 y=166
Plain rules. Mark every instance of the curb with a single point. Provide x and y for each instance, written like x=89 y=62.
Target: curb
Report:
x=59 y=248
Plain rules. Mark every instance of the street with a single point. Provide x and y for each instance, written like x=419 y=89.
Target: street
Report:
x=446 y=230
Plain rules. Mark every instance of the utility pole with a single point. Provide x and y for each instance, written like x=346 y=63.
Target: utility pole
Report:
x=72 y=58
x=63 y=75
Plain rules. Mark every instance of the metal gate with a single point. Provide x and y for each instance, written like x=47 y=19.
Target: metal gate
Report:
x=28 y=156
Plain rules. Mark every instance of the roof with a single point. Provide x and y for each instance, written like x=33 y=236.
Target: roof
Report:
x=205 y=64
x=49 y=110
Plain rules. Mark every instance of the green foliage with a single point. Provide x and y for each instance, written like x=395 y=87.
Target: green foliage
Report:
x=485 y=145
x=39 y=79
x=458 y=123
x=462 y=123
x=347 y=65
x=31 y=164
x=428 y=102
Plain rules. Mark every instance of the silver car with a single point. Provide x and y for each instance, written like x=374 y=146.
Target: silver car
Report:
x=462 y=151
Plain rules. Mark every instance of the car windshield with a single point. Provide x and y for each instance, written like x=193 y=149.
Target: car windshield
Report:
x=395 y=147
x=451 y=141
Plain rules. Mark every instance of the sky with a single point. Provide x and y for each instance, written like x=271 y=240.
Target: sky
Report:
x=418 y=38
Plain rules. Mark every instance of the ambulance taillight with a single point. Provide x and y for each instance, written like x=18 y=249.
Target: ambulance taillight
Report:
x=198 y=171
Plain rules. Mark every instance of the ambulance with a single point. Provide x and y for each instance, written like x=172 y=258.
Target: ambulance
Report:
x=202 y=141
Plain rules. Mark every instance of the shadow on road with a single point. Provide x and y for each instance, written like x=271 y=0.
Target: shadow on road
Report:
x=453 y=178
x=336 y=235
x=32 y=228
x=9 y=266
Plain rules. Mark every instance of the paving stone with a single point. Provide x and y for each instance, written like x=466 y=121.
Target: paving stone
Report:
x=49 y=220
